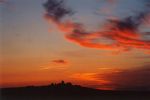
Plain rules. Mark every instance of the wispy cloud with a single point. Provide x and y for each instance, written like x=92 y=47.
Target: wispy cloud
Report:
x=57 y=64
x=91 y=80
x=91 y=77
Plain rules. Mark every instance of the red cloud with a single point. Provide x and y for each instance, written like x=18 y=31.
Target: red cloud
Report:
x=123 y=33
x=123 y=39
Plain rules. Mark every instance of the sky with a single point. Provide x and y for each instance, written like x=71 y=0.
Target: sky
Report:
x=103 y=44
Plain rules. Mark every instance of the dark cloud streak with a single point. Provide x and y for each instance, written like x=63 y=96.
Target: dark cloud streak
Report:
x=60 y=61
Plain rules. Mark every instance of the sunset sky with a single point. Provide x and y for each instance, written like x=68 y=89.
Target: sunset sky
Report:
x=102 y=44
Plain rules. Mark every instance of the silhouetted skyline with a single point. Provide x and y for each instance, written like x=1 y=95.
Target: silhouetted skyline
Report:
x=67 y=91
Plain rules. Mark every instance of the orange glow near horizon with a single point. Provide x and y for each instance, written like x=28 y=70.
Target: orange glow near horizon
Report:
x=101 y=49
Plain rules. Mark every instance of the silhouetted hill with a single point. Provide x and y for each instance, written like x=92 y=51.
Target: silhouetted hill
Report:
x=67 y=91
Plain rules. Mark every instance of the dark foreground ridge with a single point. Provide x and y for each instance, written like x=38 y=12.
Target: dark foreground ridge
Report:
x=67 y=91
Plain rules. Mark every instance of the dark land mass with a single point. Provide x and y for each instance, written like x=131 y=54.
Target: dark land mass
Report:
x=67 y=91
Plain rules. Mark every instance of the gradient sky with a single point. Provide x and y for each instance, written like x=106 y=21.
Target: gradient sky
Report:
x=35 y=52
